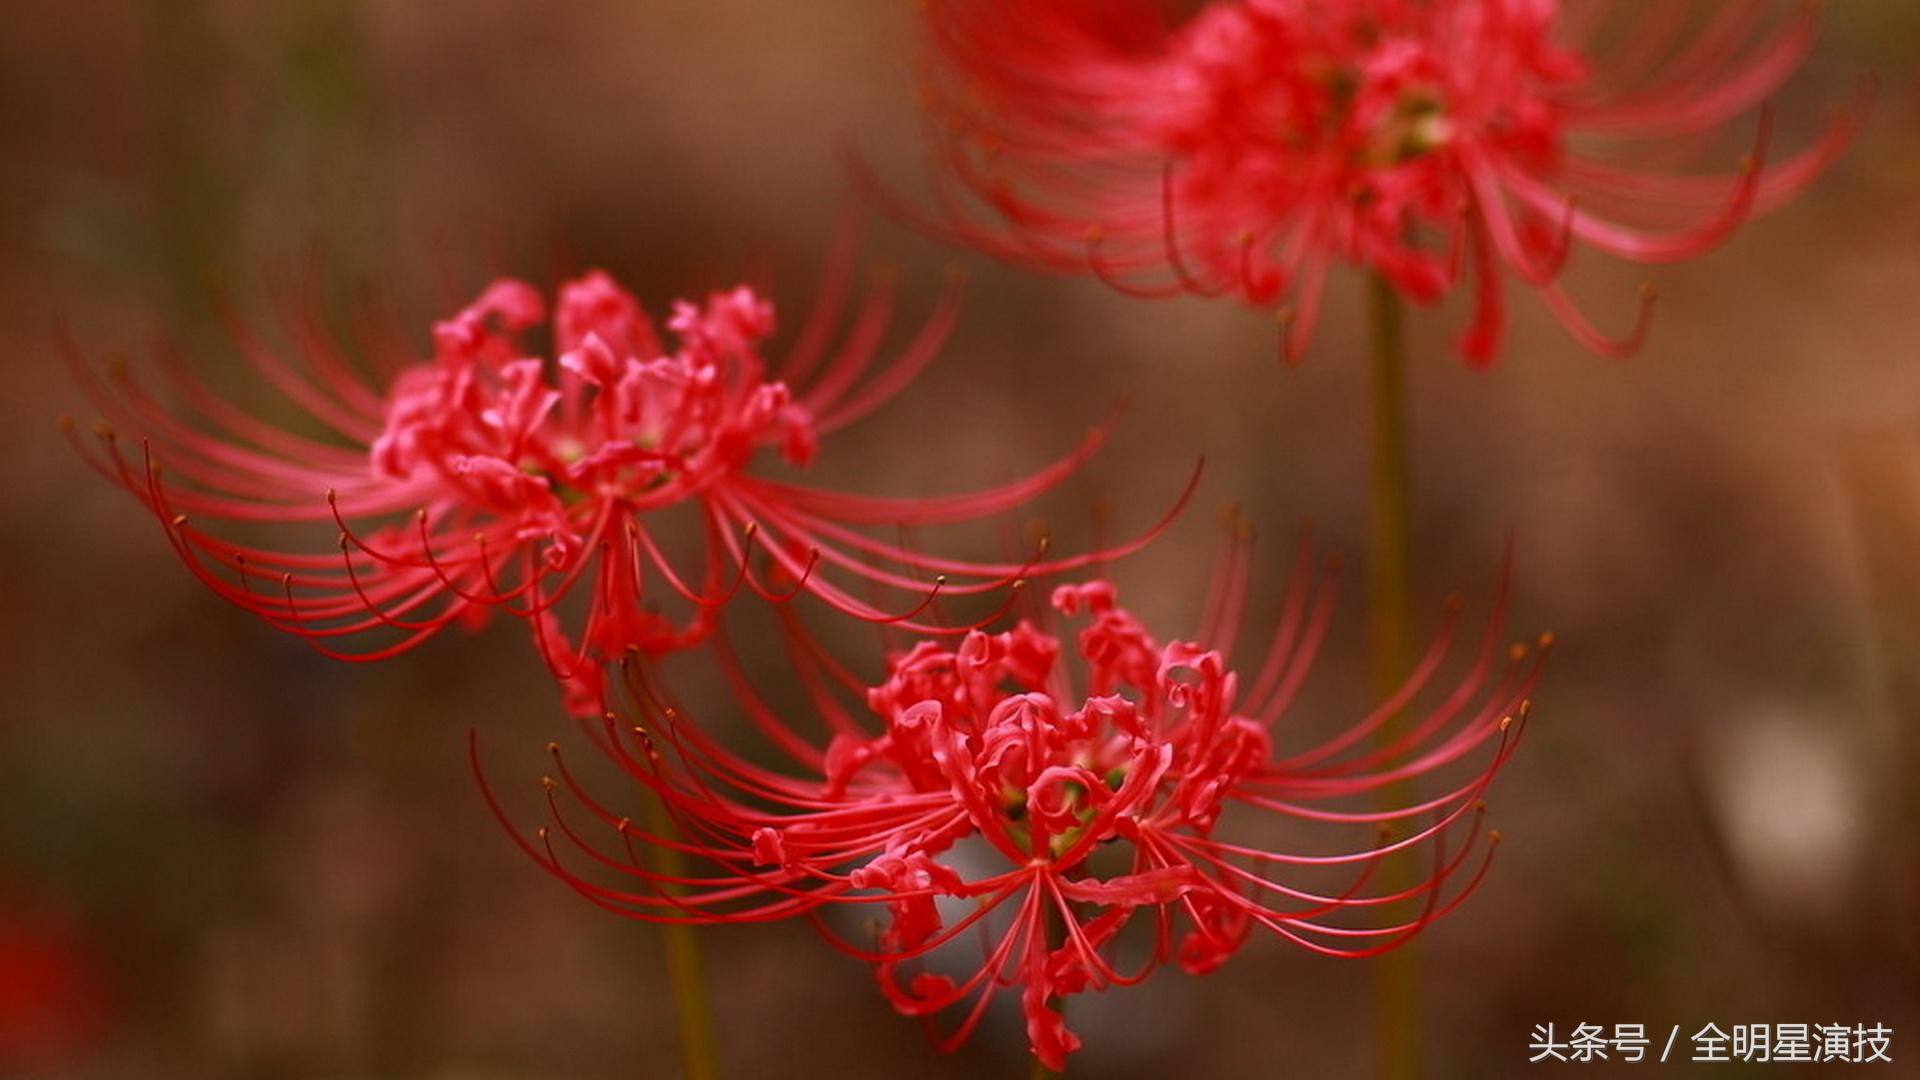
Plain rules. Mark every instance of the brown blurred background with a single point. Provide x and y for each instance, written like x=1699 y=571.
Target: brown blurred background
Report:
x=222 y=856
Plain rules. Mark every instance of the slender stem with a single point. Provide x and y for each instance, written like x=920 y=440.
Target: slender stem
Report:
x=1388 y=578
x=1879 y=478
x=686 y=970
x=1056 y=931
x=1397 y=986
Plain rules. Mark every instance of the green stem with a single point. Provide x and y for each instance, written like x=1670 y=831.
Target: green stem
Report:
x=686 y=970
x=1056 y=930
x=1397 y=986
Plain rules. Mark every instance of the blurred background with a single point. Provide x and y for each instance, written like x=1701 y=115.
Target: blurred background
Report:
x=223 y=856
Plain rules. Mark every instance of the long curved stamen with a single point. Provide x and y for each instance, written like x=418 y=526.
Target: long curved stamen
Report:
x=1097 y=263
x=1170 y=236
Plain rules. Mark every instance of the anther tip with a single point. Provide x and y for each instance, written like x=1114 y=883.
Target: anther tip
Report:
x=1505 y=723
x=553 y=748
x=1547 y=640
x=1494 y=837
x=547 y=782
x=179 y=520
x=1649 y=292
x=1517 y=652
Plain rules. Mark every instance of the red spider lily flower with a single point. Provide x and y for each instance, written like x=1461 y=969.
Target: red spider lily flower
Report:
x=487 y=477
x=988 y=794
x=1244 y=149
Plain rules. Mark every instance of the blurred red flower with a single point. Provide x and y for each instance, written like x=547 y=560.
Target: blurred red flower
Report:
x=989 y=795
x=486 y=477
x=52 y=998
x=1243 y=150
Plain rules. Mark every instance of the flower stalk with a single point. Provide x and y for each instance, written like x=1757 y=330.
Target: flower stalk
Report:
x=1389 y=592
x=686 y=967
x=1056 y=935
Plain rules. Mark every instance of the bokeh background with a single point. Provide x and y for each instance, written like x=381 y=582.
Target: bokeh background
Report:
x=223 y=856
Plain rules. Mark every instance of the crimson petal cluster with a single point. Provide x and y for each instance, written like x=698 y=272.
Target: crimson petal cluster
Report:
x=990 y=795
x=1243 y=150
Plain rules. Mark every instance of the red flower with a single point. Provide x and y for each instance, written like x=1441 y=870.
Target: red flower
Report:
x=989 y=799
x=1245 y=149
x=53 y=999
x=488 y=478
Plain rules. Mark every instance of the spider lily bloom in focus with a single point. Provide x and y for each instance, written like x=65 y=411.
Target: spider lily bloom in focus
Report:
x=1243 y=150
x=1020 y=829
x=487 y=477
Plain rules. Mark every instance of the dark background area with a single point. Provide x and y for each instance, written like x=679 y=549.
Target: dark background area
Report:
x=223 y=856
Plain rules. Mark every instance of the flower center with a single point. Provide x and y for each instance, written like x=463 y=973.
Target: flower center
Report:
x=1417 y=125
x=616 y=418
